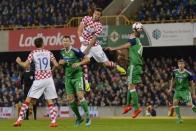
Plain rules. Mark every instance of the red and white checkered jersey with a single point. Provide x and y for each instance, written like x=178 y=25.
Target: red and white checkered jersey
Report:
x=91 y=28
x=41 y=59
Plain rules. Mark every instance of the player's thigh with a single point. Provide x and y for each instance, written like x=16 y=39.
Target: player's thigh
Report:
x=78 y=84
x=83 y=48
x=69 y=87
x=186 y=97
x=177 y=97
x=37 y=89
x=50 y=90
x=98 y=54
x=134 y=74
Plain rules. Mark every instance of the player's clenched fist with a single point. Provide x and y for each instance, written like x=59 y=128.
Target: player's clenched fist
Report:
x=18 y=60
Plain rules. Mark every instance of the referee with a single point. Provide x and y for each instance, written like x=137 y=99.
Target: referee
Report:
x=26 y=81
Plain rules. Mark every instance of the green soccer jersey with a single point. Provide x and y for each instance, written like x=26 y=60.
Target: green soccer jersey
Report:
x=135 y=51
x=73 y=55
x=182 y=79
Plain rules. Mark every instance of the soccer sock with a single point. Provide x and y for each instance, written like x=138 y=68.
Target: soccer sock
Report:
x=84 y=105
x=85 y=74
x=74 y=108
x=134 y=98
x=112 y=64
x=53 y=113
x=177 y=110
x=194 y=108
x=23 y=110
x=128 y=98
x=35 y=111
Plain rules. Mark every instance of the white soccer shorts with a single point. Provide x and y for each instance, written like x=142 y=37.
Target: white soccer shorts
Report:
x=45 y=86
x=96 y=52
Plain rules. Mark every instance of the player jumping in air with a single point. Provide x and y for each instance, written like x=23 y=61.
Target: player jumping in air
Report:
x=88 y=31
x=135 y=67
x=43 y=83
x=71 y=59
x=182 y=79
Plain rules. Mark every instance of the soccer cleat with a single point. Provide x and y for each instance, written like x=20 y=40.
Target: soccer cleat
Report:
x=88 y=122
x=17 y=124
x=53 y=124
x=179 y=121
x=136 y=113
x=78 y=121
x=194 y=109
x=121 y=70
x=87 y=87
x=126 y=109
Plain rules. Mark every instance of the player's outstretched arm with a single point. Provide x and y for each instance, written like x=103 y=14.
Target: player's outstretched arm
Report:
x=124 y=46
x=84 y=61
x=21 y=63
x=193 y=87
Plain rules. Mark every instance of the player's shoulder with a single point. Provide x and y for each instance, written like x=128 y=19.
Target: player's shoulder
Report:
x=187 y=71
x=75 y=49
x=87 y=17
x=175 y=70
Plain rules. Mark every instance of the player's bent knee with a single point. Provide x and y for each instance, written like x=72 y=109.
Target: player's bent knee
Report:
x=70 y=98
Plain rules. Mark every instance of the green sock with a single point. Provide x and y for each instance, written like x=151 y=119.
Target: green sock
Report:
x=74 y=108
x=194 y=108
x=134 y=98
x=177 y=110
x=128 y=98
x=84 y=106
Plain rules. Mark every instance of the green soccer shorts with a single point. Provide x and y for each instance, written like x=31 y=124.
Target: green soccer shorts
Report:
x=134 y=74
x=184 y=96
x=72 y=86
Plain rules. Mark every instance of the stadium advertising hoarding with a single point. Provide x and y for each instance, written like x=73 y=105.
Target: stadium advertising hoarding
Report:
x=5 y=112
x=22 y=40
x=171 y=34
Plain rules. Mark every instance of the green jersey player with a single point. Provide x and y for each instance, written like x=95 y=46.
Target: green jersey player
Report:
x=135 y=68
x=71 y=59
x=183 y=81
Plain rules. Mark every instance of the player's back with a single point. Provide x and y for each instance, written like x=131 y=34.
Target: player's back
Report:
x=41 y=59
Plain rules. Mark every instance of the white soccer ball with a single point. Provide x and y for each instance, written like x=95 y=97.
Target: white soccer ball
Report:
x=137 y=26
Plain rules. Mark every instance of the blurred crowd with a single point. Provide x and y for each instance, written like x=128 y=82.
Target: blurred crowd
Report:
x=108 y=87
x=156 y=10
x=44 y=12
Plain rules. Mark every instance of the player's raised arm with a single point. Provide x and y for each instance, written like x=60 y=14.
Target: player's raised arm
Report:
x=21 y=63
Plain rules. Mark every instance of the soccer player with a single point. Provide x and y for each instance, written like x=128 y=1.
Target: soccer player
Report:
x=182 y=79
x=71 y=59
x=43 y=82
x=27 y=79
x=135 y=67
x=88 y=31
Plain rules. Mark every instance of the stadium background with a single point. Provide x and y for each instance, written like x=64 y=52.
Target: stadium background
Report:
x=170 y=33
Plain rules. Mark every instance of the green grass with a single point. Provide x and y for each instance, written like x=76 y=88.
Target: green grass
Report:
x=104 y=125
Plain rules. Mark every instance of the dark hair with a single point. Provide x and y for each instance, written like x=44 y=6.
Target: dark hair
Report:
x=66 y=36
x=38 y=42
x=98 y=9
x=181 y=60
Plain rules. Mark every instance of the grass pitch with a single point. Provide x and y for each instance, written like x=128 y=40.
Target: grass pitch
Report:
x=105 y=124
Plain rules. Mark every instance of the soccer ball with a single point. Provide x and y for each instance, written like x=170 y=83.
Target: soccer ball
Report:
x=137 y=26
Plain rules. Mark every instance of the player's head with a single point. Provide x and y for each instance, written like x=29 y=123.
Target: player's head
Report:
x=39 y=42
x=181 y=64
x=66 y=41
x=137 y=28
x=97 y=14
